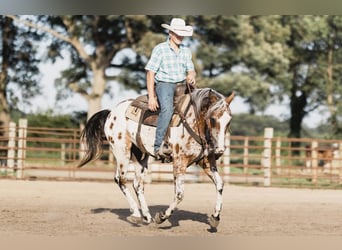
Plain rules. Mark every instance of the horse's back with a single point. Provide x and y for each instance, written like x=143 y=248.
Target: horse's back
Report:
x=116 y=120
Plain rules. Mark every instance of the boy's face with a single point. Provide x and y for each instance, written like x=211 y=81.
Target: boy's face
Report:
x=176 y=38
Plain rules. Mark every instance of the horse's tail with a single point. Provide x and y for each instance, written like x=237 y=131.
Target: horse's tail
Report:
x=93 y=136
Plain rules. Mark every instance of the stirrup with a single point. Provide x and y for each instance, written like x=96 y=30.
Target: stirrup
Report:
x=163 y=158
x=164 y=153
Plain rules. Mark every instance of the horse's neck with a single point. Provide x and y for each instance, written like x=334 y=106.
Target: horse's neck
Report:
x=196 y=121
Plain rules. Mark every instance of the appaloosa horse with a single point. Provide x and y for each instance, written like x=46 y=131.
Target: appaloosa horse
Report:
x=198 y=138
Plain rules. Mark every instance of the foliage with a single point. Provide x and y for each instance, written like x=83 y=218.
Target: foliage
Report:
x=269 y=58
x=48 y=120
x=252 y=125
x=99 y=46
x=264 y=59
x=19 y=73
x=244 y=54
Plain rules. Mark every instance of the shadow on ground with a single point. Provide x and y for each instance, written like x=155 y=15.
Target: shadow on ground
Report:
x=178 y=215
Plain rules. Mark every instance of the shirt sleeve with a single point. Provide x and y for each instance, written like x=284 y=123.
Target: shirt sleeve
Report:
x=189 y=63
x=155 y=60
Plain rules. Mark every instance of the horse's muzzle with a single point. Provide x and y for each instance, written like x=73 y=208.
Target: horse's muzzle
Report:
x=218 y=152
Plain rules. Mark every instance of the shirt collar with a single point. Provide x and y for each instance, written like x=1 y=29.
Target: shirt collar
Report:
x=168 y=42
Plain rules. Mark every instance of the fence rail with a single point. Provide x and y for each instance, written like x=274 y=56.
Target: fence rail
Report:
x=34 y=152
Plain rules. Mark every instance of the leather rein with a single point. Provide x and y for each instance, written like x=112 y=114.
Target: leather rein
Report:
x=199 y=138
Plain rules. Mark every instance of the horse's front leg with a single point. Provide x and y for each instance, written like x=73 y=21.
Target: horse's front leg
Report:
x=211 y=170
x=179 y=180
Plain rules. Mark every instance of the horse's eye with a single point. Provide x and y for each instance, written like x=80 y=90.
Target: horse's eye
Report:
x=212 y=122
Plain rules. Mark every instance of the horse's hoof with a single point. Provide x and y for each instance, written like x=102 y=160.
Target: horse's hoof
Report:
x=135 y=219
x=159 y=218
x=147 y=220
x=214 y=221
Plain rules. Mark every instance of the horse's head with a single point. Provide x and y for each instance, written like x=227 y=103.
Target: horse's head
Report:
x=217 y=115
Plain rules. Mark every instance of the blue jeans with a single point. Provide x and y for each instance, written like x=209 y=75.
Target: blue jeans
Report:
x=165 y=93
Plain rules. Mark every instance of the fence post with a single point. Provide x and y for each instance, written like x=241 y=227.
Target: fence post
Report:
x=226 y=160
x=268 y=135
x=82 y=146
x=63 y=151
x=314 y=161
x=22 y=134
x=278 y=155
x=245 y=155
x=11 y=148
x=339 y=162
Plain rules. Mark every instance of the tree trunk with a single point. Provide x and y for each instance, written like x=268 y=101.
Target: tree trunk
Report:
x=94 y=99
x=6 y=40
x=297 y=104
x=94 y=105
x=330 y=94
x=4 y=110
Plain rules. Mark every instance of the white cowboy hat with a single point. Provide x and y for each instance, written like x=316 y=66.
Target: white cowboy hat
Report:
x=178 y=26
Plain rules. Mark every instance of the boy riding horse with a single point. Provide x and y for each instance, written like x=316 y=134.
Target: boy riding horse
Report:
x=170 y=63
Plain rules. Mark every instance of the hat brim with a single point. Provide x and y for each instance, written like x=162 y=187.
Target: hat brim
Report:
x=181 y=31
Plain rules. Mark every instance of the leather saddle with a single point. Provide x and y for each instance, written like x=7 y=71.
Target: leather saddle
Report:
x=139 y=112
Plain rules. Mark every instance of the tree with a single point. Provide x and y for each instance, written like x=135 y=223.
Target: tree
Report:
x=94 y=43
x=266 y=59
x=314 y=70
x=19 y=67
x=18 y=73
x=331 y=60
x=243 y=53
x=6 y=49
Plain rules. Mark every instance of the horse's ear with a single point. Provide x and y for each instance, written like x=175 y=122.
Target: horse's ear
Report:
x=230 y=98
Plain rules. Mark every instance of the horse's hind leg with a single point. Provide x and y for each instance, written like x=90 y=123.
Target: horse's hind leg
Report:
x=138 y=183
x=120 y=179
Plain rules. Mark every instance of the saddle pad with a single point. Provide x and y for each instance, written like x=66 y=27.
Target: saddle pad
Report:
x=138 y=111
x=133 y=113
x=139 y=108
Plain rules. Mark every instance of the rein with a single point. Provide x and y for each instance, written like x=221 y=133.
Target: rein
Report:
x=199 y=138
x=202 y=141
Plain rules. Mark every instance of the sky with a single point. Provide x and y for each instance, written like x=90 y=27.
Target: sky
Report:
x=47 y=101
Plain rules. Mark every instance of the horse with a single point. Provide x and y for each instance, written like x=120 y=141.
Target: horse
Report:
x=199 y=138
x=325 y=155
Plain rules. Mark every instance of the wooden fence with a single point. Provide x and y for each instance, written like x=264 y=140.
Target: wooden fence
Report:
x=53 y=153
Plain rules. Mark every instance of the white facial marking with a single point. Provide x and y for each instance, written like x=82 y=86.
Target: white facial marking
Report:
x=224 y=120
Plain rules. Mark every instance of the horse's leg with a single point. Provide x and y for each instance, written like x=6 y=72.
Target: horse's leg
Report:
x=138 y=183
x=179 y=179
x=211 y=170
x=120 y=178
x=119 y=138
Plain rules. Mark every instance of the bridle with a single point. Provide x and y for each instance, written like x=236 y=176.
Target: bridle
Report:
x=205 y=140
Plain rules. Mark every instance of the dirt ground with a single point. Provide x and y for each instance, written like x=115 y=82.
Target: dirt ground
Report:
x=47 y=208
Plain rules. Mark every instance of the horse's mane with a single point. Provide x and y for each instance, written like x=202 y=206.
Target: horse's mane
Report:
x=208 y=98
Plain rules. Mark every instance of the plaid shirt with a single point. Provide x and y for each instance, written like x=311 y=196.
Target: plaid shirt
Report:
x=168 y=65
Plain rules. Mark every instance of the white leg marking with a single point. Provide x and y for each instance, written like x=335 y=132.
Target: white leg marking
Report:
x=120 y=179
x=179 y=194
x=138 y=185
x=219 y=190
